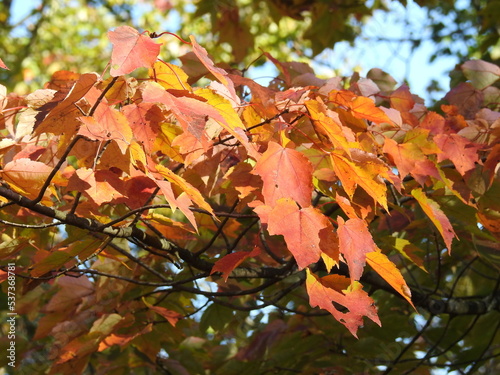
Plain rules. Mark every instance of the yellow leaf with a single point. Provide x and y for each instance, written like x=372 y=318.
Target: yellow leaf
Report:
x=169 y=76
x=193 y=193
x=389 y=272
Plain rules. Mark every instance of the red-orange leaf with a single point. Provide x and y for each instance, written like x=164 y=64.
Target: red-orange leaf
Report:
x=323 y=291
x=229 y=262
x=389 y=272
x=131 y=50
x=115 y=339
x=107 y=124
x=438 y=218
x=405 y=156
x=306 y=231
x=360 y=106
x=459 y=150
x=172 y=316
x=193 y=115
x=355 y=241
x=286 y=173
x=101 y=186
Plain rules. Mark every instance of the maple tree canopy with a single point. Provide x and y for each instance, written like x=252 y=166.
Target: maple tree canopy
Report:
x=150 y=218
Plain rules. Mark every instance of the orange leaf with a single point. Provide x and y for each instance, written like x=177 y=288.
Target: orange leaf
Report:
x=26 y=176
x=286 y=173
x=405 y=156
x=327 y=125
x=183 y=202
x=193 y=114
x=100 y=186
x=107 y=124
x=355 y=241
x=402 y=100
x=131 y=50
x=144 y=119
x=360 y=106
x=368 y=177
x=242 y=180
x=438 y=218
x=172 y=316
x=323 y=291
x=389 y=272
x=229 y=262
x=307 y=232
x=52 y=123
x=89 y=343
x=122 y=340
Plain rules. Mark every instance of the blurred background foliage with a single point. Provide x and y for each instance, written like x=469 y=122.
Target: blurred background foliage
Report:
x=39 y=37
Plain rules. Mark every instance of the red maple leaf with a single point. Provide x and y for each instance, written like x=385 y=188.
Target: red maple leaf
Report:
x=131 y=50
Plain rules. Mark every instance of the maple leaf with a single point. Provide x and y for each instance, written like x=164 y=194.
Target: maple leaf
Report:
x=131 y=50
x=242 y=180
x=323 y=291
x=262 y=97
x=360 y=106
x=117 y=89
x=86 y=344
x=70 y=293
x=101 y=186
x=169 y=76
x=307 y=232
x=351 y=175
x=107 y=124
x=433 y=122
x=115 y=339
x=171 y=316
x=326 y=125
x=50 y=121
x=355 y=241
x=26 y=176
x=389 y=272
x=405 y=156
x=459 y=150
x=193 y=114
x=193 y=193
x=286 y=173
x=229 y=262
x=62 y=255
x=437 y=216
x=144 y=120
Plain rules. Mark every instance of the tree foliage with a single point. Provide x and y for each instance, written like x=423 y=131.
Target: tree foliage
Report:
x=158 y=223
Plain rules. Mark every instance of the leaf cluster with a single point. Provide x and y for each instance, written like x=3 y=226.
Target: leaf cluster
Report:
x=157 y=224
